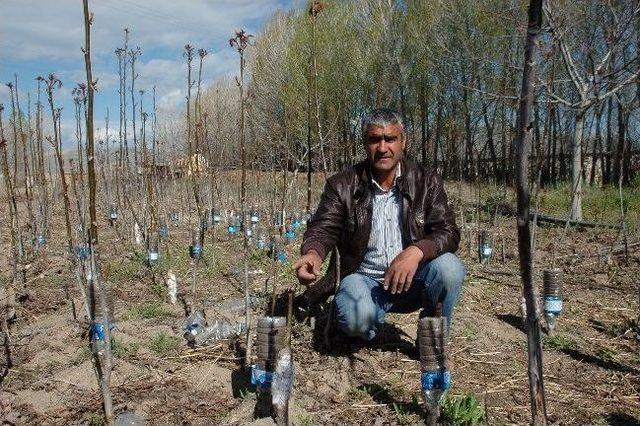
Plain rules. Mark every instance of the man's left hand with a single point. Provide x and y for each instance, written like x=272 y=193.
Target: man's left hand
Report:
x=399 y=276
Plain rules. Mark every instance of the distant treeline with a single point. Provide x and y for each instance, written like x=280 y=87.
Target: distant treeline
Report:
x=453 y=69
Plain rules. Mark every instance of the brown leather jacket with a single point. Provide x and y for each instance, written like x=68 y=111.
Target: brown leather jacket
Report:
x=343 y=220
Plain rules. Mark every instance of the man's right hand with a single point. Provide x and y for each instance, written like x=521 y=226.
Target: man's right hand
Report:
x=308 y=267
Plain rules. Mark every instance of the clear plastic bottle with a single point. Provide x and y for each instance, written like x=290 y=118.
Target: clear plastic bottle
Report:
x=200 y=335
x=254 y=215
x=113 y=214
x=153 y=253
x=485 y=247
x=552 y=285
x=290 y=233
x=175 y=218
x=98 y=338
x=216 y=217
x=41 y=240
x=129 y=418
x=193 y=326
x=195 y=249
x=163 y=228
x=283 y=378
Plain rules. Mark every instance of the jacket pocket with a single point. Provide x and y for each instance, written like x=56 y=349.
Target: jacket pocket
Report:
x=417 y=225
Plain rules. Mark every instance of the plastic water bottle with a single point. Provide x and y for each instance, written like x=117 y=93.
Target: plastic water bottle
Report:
x=199 y=334
x=254 y=216
x=485 y=247
x=261 y=241
x=195 y=249
x=290 y=233
x=216 y=218
x=129 y=418
x=175 y=218
x=283 y=377
x=98 y=337
x=194 y=326
x=236 y=304
x=83 y=252
x=435 y=378
x=113 y=214
x=552 y=285
x=41 y=240
x=164 y=228
x=234 y=224
x=153 y=255
x=295 y=220
x=224 y=329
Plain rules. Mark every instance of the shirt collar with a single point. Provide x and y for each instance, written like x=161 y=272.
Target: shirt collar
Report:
x=393 y=185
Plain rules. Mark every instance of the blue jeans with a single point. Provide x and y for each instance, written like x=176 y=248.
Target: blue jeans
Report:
x=362 y=302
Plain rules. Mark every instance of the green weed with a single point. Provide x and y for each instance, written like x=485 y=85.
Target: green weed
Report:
x=464 y=410
x=407 y=414
x=559 y=343
x=305 y=420
x=96 y=420
x=125 y=271
x=606 y=355
x=598 y=204
x=148 y=310
x=164 y=344
x=470 y=330
x=123 y=350
x=617 y=329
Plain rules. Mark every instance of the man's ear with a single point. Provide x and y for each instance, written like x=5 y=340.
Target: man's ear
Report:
x=403 y=135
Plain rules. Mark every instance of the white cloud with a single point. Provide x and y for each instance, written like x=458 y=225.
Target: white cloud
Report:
x=39 y=36
x=4 y=95
x=36 y=29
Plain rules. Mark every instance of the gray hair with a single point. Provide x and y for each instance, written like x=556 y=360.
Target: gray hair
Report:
x=381 y=117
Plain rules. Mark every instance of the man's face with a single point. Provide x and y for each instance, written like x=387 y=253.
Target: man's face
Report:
x=384 y=146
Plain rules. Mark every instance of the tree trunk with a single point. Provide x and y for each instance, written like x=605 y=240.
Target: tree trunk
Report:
x=597 y=146
x=436 y=140
x=424 y=113
x=576 y=166
x=523 y=140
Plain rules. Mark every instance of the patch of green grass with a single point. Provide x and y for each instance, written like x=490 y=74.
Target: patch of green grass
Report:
x=83 y=355
x=305 y=419
x=598 y=204
x=96 y=420
x=464 y=410
x=617 y=329
x=470 y=330
x=358 y=393
x=160 y=290
x=559 y=343
x=164 y=344
x=124 y=350
x=607 y=355
x=407 y=414
x=148 y=310
x=125 y=271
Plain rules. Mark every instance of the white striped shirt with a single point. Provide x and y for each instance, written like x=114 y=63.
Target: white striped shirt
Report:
x=385 y=239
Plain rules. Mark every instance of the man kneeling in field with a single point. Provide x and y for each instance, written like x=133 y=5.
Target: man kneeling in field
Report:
x=391 y=222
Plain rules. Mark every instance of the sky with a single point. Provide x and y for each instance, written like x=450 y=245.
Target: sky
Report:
x=39 y=37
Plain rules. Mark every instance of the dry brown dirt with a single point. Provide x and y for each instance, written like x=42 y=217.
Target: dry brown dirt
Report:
x=591 y=362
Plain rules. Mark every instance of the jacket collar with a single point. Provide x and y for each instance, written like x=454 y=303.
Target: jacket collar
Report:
x=363 y=171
